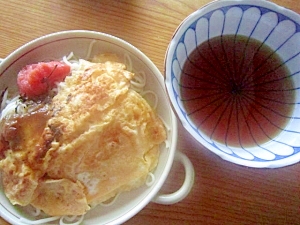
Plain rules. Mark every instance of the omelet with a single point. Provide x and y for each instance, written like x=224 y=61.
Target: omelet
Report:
x=97 y=138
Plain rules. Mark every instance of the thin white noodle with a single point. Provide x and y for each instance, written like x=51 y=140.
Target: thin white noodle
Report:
x=166 y=125
x=150 y=179
x=39 y=221
x=110 y=202
x=32 y=211
x=36 y=212
x=72 y=61
x=138 y=87
x=4 y=100
x=168 y=128
x=66 y=59
x=155 y=102
x=71 y=219
x=139 y=79
x=167 y=143
x=88 y=55
x=138 y=82
x=128 y=62
x=70 y=56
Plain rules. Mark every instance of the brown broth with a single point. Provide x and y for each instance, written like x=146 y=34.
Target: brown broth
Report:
x=237 y=91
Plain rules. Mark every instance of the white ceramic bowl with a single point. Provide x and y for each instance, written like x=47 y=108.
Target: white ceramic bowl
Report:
x=274 y=26
x=57 y=45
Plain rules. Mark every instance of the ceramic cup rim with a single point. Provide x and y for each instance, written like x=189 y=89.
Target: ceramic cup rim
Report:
x=170 y=53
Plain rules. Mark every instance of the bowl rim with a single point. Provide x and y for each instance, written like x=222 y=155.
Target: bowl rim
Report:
x=31 y=45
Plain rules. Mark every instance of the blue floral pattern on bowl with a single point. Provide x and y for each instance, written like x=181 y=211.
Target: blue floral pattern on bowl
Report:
x=275 y=26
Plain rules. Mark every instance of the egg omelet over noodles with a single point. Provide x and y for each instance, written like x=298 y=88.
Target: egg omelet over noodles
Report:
x=95 y=138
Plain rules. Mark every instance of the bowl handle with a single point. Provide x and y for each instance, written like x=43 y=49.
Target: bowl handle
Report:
x=183 y=191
